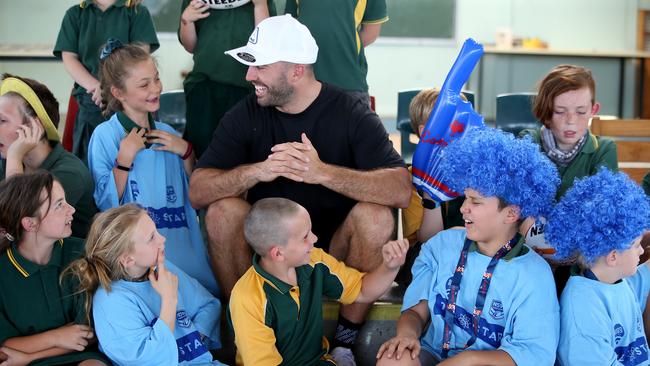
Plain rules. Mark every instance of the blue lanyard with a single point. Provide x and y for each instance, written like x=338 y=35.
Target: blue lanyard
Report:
x=450 y=310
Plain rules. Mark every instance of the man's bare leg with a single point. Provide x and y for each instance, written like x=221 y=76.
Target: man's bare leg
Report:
x=358 y=243
x=230 y=255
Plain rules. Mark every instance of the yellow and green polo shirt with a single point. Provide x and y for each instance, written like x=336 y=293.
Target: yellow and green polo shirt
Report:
x=279 y=324
x=33 y=301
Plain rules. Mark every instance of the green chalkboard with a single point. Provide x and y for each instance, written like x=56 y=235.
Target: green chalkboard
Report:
x=420 y=19
x=408 y=18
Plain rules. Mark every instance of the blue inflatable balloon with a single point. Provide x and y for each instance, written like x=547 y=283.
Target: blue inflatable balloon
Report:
x=450 y=118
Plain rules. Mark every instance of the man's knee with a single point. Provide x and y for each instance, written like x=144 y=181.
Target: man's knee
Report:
x=372 y=216
x=228 y=211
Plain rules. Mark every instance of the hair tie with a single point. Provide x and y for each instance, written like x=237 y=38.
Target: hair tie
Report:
x=111 y=45
x=6 y=234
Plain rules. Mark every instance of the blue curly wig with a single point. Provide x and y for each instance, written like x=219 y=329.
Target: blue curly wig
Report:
x=496 y=164
x=598 y=214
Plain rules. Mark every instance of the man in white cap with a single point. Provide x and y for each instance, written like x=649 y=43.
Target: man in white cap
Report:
x=307 y=141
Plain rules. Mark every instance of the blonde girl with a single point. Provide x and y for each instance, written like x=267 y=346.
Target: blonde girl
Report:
x=146 y=311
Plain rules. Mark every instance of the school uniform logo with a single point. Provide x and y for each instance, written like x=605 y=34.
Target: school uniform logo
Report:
x=496 y=309
x=171 y=195
x=635 y=353
x=190 y=347
x=182 y=319
x=490 y=333
x=168 y=217
x=135 y=192
x=619 y=333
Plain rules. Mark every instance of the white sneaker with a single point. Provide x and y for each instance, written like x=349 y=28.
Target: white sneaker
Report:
x=343 y=356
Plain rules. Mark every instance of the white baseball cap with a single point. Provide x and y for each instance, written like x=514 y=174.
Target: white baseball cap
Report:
x=279 y=38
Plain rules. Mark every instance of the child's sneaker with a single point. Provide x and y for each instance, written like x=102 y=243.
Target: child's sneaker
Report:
x=343 y=356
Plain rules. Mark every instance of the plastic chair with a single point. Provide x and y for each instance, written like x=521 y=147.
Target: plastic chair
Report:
x=515 y=112
x=403 y=122
x=172 y=109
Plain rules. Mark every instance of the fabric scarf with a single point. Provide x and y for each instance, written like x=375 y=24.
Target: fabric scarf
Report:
x=559 y=157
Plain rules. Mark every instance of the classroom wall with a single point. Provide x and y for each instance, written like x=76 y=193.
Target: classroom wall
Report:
x=572 y=24
x=564 y=24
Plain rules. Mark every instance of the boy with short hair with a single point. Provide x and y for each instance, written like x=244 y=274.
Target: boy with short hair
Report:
x=601 y=218
x=276 y=306
x=488 y=298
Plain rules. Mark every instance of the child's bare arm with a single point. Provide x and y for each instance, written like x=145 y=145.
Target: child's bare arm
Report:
x=166 y=285
x=261 y=10
x=477 y=358
x=377 y=282
x=369 y=33
x=410 y=325
x=194 y=11
x=431 y=222
x=68 y=338
x=80 y=74
x=15 y=357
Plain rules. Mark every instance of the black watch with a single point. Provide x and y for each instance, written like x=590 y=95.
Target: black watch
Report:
x=428 y=204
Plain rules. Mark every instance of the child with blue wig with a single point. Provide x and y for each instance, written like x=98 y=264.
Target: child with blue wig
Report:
x=479 y=295
x=601 y=219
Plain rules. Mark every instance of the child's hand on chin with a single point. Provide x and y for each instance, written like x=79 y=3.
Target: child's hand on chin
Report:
x=164 y=282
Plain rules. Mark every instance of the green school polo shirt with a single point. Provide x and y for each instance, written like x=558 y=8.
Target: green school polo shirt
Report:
x=223 y=30
x=335 y=26
x=77 y=182
x=32 y=300
x=85 y=29
x=276 y=323
x=596 y=152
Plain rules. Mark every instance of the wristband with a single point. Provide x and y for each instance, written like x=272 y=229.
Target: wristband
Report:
x=188 y=152
x=122 y=167
x=428 y=204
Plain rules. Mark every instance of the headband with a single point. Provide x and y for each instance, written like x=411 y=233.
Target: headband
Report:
x=21 y=88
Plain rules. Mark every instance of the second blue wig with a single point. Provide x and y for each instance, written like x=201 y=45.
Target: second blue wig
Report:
x=600 y=213
x=495 y=163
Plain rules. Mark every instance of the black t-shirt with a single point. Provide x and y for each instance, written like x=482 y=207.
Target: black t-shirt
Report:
x=342 y=129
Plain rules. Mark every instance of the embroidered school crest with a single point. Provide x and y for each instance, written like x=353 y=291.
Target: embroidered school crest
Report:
x=496 y=309
x=619 y=333
x=171 y=195
x=182 y=319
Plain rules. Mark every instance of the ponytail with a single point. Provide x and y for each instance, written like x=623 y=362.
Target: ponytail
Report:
x=109 y=238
